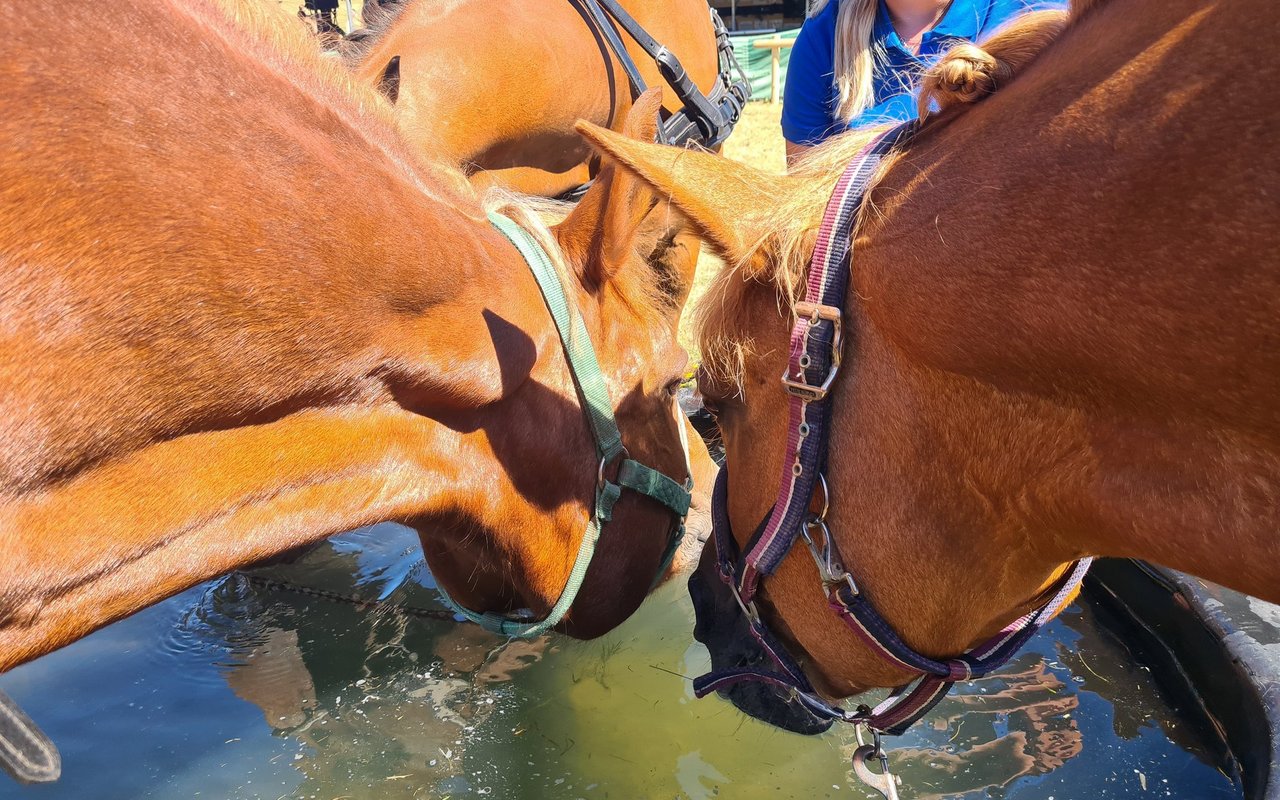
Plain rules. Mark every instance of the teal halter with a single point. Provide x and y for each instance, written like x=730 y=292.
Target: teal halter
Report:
x=598 y=408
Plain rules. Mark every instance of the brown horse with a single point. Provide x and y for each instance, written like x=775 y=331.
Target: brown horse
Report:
x=498 y=87
x=497 y=90
x=200 y=369
x=1062 y=338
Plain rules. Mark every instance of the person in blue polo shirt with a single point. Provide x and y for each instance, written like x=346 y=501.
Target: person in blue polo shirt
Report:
x=857 y=62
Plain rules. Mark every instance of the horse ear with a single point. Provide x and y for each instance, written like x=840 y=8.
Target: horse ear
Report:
x=601 y=232
x=389 y=83
x=724 y=200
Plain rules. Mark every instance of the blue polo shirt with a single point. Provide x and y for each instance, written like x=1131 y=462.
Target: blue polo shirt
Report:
x=809 y=104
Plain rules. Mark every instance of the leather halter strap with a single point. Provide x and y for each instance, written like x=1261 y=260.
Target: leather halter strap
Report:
x=813 y=363
x=598 y=409
x=610 y=34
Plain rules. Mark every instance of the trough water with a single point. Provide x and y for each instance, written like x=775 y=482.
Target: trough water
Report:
x=237 y=690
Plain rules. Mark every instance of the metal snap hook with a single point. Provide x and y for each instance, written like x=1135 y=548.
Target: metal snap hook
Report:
x=886 y=783
x=826 y=495
x=748 y=609
x=817 y=537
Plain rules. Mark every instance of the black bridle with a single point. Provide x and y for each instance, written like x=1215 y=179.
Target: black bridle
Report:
x=703 y=120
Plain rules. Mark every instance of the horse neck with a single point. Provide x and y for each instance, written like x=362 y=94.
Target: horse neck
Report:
x=264 y=370
x=315 y=407
x=305 y=247
x=1085 y=326
x=309 y=401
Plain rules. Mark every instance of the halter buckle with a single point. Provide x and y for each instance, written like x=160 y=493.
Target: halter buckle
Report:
x=812 y=314
x=606 y=461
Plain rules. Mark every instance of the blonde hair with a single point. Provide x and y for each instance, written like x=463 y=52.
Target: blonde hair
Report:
x=854 y=56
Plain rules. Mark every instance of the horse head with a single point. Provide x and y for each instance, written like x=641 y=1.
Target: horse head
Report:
x=1020 y=387
x=199 y=374
x=629 y=262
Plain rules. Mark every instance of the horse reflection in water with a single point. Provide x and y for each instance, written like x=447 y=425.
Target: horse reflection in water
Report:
x=335 y=676
x=1023 y=722
x=382 y=693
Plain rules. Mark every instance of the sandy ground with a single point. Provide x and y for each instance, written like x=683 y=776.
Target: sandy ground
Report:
x=757 y=140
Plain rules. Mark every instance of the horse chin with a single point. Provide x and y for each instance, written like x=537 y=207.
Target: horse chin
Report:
x=768 y=703
x=722 y=628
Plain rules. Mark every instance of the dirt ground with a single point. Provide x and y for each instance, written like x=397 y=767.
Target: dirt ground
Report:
x=758 y=138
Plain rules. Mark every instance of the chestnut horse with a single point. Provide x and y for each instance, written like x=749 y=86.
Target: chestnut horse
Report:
x=498 y=87
x=195 y=376
x=1062 y=339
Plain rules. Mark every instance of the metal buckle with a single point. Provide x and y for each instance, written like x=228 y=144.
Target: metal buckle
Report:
x=604 y=462
x=813 y=313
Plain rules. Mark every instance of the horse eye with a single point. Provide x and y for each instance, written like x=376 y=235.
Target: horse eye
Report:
x=708 y=391
x=711 y=407
x=673 y=386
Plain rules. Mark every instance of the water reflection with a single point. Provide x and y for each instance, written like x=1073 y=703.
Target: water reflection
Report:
x=237 y=690
x=337 y=677
x=1001 y=728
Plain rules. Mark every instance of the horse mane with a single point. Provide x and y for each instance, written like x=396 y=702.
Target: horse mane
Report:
x=290 y=50
x=377 y=17
x=789 y=231
x=538 y=215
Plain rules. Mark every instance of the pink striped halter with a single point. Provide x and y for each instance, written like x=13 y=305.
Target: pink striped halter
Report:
x=813 y=363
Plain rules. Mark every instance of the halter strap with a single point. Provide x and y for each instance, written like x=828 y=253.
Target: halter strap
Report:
x=598 y=409
x=578 y=350
x=812 y=365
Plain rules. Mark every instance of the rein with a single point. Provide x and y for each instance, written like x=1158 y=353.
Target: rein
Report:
x=813 y=363
x=598 y=409
x=703 y=120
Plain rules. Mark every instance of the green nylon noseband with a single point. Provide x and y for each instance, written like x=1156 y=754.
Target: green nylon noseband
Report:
x=598 y=408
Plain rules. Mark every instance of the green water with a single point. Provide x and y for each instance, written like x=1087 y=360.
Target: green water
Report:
x=233 y=690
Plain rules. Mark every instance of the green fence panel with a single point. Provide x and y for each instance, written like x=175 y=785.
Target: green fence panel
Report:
x=755 y=60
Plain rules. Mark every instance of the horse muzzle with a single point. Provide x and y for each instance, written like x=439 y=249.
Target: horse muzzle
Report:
x=723 y=629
